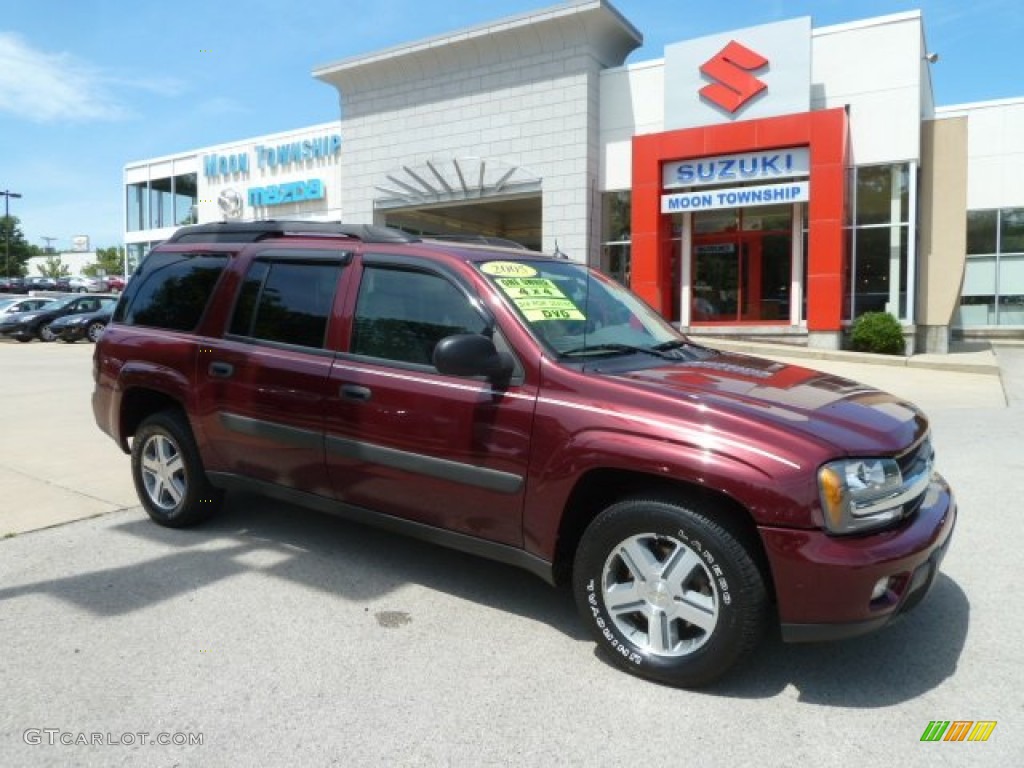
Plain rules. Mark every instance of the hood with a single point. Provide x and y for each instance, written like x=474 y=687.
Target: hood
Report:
x=854 y=418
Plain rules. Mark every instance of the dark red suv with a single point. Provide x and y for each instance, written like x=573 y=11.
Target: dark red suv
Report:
x=531 y=410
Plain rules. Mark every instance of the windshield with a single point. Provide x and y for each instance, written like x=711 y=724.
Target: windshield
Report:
x=577 y=311
x=61 y=303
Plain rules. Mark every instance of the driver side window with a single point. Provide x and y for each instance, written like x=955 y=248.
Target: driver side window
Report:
x=401 y=314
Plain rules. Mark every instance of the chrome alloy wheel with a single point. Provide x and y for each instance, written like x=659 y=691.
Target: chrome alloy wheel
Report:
x=94 y=331
x=660 y=595
x=163 y=472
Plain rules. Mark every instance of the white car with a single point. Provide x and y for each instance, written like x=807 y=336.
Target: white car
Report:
x=28 y=304
x=82 y=284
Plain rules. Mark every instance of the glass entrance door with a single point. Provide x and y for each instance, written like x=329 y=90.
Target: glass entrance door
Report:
x=741 y=269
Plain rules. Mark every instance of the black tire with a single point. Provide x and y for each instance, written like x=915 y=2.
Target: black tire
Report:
x=44 y=333
x=689 y=565
x=168 y=472
x=23 y=339
x=94 y=331
x=66 y=340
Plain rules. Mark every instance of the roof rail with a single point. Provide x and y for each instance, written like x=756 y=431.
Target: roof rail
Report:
x=253 y=231
x=504 y=242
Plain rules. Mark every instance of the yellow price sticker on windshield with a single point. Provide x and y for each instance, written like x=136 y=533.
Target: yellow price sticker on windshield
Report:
x=539 y=299
x=529 y=288
x=507 y=269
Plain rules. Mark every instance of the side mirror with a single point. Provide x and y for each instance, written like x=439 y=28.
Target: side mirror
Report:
x=469 y=354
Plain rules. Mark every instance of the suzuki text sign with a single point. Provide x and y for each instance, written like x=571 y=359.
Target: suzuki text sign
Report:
x=731 y=169
x=740 y=75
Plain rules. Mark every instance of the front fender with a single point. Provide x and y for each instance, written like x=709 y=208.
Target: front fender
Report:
x=773 y=489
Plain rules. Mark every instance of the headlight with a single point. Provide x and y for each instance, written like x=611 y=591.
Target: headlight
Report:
x=861 y=494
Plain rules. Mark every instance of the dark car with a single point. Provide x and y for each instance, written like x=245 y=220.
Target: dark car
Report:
x=71 y=328
x=531 y=410
x=25 y=326
x=12 y=285
x=40 y=283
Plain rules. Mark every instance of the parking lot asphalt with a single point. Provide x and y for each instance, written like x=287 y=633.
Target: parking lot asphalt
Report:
x=278 y=636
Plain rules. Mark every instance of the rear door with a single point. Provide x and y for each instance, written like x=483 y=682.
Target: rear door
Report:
x=407 y=441
x=263 y=386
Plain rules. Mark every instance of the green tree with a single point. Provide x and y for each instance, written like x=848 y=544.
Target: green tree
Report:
x=109 y=261
x=21 y=250
x=54 y=266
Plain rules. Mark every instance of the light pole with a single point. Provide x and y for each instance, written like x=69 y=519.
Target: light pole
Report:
x=7 y=221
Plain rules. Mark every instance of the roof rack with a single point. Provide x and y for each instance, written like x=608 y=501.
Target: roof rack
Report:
x=253 y=231
x=503 y=242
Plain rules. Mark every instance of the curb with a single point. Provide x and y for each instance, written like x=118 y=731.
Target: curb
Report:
x=984 y=363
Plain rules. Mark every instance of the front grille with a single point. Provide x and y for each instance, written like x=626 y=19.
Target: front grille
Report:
x=915 y=463
x=918 y=458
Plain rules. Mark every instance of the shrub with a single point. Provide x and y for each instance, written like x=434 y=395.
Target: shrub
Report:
x=877 y=332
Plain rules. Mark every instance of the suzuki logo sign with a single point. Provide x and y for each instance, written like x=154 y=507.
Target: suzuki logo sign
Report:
x=745 y=74
x=731 y=69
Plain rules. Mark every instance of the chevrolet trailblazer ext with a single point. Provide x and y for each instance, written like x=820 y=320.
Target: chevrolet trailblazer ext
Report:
x=531 y=410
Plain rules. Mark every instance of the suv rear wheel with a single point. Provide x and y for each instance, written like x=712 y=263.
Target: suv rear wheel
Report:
x=667 y=592
x=168 y=473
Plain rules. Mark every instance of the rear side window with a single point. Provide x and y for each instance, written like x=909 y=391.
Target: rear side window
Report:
x=287 y=302
x=171 y=290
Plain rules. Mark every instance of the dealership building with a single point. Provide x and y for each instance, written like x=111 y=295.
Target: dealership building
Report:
x=773 y=181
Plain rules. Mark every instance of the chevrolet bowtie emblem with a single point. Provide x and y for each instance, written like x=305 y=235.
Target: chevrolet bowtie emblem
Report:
x=730 y=68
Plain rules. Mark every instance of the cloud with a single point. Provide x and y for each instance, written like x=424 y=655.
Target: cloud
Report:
x=48 y=87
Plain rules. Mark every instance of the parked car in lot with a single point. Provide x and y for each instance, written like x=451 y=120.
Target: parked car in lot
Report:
x=12 y=285
x=528 y=409
x=25 y=326
x=83 y=284
x=40 y=283
x=10 y=306
x=116 y=283
x=90 y=326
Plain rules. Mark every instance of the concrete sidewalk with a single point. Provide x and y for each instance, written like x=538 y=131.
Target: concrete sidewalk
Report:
x=972 y=357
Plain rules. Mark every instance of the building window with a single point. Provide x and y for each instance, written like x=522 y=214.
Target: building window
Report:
x=615 y=237
x=162 y=203
x=137 y=208
x=185 y=199
x=993 y=292
x=136 y=252
x=879 y=241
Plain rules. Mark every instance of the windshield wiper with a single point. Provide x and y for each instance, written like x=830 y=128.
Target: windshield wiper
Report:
x=619 y=348
x=678 y=344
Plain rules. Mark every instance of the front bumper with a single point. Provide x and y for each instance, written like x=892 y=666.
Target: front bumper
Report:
x=824 y=583
x=70 y=332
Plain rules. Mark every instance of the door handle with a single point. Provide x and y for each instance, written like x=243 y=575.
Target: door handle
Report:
x=221 y=370
x=355 y=392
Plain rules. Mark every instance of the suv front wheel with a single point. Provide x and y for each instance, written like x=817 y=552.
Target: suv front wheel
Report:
x=667 y=592
x=168 y=473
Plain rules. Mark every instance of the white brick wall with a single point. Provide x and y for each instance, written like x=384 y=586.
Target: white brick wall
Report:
x=537 y=112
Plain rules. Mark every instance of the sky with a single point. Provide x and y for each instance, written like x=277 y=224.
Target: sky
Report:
x=87 y=86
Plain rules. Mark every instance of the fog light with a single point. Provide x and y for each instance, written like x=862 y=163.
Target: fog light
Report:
x=881 y=587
